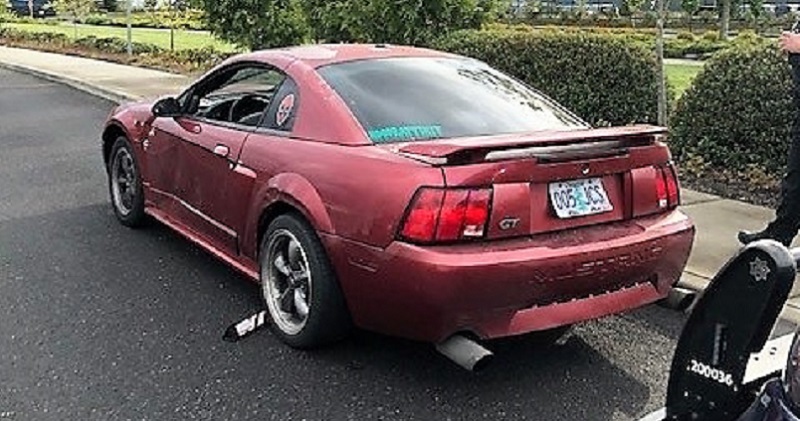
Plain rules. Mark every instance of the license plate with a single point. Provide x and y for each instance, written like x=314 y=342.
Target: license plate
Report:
x=579 y=197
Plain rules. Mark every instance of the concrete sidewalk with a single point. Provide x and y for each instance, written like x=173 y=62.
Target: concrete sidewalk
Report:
x=717 y=220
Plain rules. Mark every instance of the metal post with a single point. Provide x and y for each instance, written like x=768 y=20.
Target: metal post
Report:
x=128 y=18
x=662 y=86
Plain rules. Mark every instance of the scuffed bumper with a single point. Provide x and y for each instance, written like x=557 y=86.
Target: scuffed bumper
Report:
x=505 y=288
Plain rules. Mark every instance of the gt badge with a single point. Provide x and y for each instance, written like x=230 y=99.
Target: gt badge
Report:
x=508 y=223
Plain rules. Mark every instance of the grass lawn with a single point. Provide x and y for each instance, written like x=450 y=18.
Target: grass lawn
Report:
x=160 y=37
x=681 y=75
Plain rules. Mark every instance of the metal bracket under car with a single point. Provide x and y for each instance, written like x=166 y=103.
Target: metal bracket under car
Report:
x=723 y=359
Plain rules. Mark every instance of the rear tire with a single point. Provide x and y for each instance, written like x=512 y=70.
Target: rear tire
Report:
x=299 y=287
x=125 y=184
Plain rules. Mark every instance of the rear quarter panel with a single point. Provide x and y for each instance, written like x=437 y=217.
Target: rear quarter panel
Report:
x=359 y=193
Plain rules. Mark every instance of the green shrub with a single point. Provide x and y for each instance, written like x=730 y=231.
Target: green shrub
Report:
x=685 y=35
x=38 y=37
x=199 y=58
x=115 y=49
x=97 y=19
x=710 y=36
x=739 y=110
x=602 y=78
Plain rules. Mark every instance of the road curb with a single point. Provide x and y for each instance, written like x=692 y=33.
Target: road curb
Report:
x=92 y=89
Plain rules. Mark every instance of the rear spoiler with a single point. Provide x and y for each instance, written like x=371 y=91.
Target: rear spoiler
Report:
x=444 y=151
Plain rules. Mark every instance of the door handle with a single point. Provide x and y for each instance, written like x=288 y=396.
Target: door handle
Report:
x=221 y=151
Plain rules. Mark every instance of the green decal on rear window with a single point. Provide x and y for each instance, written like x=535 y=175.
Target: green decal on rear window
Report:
x=394 y=133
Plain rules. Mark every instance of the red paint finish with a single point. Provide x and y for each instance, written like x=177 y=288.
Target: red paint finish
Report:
x=215 y=184
x=501 y=288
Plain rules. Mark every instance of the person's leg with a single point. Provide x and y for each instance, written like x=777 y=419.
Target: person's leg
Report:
x=787 y=216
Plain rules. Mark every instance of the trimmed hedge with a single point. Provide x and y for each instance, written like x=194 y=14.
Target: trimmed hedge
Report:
x=605 y=80
x=737 y=114
x=115 y=49
x=685 y=45
x=189 y=19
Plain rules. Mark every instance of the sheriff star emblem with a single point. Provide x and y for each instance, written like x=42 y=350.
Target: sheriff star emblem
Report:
x=759 y=270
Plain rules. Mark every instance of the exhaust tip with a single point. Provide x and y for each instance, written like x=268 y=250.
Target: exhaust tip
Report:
x=465 y=352
x=481 y=364
x=679 y=299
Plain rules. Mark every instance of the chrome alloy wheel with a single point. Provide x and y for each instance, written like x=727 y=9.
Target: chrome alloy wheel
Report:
x=123 y=181
x=287 y=282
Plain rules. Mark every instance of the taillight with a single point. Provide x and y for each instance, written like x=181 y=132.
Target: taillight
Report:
x=667 y=191
x=421 y=220
x=661 y=188
x=443 y=215
x=673 y=191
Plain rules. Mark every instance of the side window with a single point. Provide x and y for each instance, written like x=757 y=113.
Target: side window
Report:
x=282 y=111
x=240 y=95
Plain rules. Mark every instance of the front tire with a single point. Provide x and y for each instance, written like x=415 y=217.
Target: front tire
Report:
x=125 y=184
x=299 y=287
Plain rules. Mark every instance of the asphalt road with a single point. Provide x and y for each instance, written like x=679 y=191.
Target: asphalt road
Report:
x=100 y=322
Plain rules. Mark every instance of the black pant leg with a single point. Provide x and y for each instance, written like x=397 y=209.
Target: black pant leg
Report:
x=787 y=215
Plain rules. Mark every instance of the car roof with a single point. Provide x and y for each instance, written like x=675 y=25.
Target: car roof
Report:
x=319 y=55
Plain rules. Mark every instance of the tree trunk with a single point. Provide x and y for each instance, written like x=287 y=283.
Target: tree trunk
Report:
x=172 y=13
x=662 y=85
x=725 y=19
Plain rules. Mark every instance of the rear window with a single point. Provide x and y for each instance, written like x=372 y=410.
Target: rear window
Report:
x=407 y=99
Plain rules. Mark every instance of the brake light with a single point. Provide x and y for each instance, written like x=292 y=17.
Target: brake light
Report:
x=667 y=191
x=420 y=223
x=661 y=188
x=442 y=215
x=477 y=214
x=673 y=191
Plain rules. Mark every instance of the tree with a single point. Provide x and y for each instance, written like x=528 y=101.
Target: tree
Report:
x=662 y=83
x=110 y=5
x=414 y=22
x=634 y=7
x=5 y=16
x=78 y=9
x=690 y=7
x=724 y=19
x=756 y=7
x=175 y=11
x=257 y=24
x=151 y=6
x=331 y=20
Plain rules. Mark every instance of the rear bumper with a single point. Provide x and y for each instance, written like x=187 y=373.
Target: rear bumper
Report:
x=505 y=288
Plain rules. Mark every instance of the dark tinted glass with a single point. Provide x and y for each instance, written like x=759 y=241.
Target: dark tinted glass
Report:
x=402 y=99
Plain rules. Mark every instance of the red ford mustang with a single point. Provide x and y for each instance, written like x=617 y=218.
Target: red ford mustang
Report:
x=405 y=191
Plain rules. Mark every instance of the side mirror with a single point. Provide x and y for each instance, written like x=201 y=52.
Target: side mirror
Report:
x=167 y=107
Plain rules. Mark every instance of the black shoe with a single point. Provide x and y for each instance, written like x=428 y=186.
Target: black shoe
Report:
x=749 y=237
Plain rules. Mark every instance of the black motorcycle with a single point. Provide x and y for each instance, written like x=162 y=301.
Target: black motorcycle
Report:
x=724 y=367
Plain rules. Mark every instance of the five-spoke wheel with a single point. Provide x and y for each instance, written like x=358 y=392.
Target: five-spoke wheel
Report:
x=125 y=184
x=301 y=292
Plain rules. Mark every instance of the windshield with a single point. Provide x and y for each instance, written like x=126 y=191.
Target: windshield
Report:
x=407 y=99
